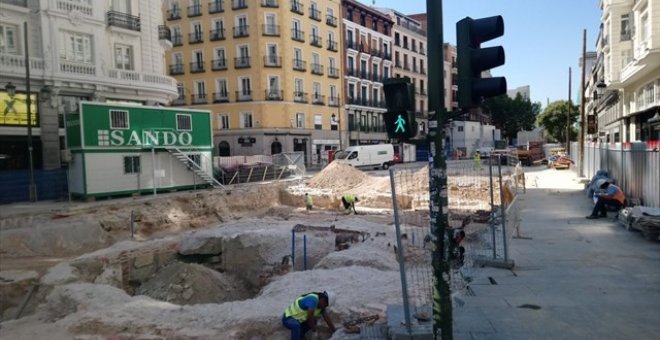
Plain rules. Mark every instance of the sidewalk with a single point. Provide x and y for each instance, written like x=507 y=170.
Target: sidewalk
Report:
x=574 y=279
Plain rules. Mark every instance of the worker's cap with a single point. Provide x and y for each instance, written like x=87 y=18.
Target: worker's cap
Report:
x=356 y=199
x=331 y=297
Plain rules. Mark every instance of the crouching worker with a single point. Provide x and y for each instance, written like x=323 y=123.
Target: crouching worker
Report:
x=349 y=202
x=613 y=196
x=301 y=315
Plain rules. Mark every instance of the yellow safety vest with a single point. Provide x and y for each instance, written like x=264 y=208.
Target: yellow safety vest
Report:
x=308 y=200
x=298 y=313
x=349 y=198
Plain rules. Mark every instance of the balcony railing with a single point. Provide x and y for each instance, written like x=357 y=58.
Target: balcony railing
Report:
x=270 y=3
x=317 y=69
x=333 y=101
x=406 y=66
x=422 y=51
x=316 y=40
x=273 y=94
x=314 y=14
x=241 y=31
x=299 y=65
x=216 y=7
x=176 y=69
x=243 y=95
x=123 y=20
x=174 y=13
x=179 y=101
x=164 y=33
x=272 y=61
x=239 y=4
x=221 y=97
x=177 y=40
x=332 y=46
x=219 y=64
x=331 y=20
x=318 y=99
x=198 y=98
x=296 y=7
x=300 y=97
x=68 y=6
x=352 y=72
x=422 y=70
x=217 y=34
x=241 y=62
x=297 y=35
x=195 y=37
x=194 y=10
x=271 y=30
x=196 y=66
x=333 y=72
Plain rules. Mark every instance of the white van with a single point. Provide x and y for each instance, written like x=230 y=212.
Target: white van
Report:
x=375 y=156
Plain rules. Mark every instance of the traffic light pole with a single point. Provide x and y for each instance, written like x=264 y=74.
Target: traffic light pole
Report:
x=442 y=309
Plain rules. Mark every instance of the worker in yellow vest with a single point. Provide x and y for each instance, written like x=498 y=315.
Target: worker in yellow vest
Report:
x=349 y=202
x=300 y=317
x=613 y=196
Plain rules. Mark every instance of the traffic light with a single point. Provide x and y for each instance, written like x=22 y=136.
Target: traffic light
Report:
x=400 y=116
x=472 y=59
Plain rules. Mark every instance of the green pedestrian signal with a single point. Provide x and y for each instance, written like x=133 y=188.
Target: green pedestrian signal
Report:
x=400 y=116
x=400 y=125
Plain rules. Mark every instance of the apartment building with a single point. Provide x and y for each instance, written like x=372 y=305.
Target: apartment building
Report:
x=409 y=52
x=367 y=58
x=78 y=50
x=267 y=69
x=625 y=81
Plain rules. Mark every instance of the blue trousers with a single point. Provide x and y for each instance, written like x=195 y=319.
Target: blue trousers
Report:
x=298 y=329
x=600 y=209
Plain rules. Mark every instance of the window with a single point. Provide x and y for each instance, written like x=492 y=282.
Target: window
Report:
x=625 y=27
x=223 y=121
x=274 y=87
x=460 y=129
x=246 y=120
x=318 y=121
x=317 y=90
x=76 y=47
x=122 y=6
x=374 y=25
x=196 y=31
x=194 y=160
x=363 y=20
x=180 y=89
x=300 y=120
x=131 y=165
x=298 y=86
x=386 y=72
x=183 y=122
x=8 y=39
x=245 y=85
x=200 y=89
x=351 y=64
x=118 y=119
x=123 y=57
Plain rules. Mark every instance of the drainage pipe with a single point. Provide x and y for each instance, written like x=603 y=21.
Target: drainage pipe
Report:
x=304 y=251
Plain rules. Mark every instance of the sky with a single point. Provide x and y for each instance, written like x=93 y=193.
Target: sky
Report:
x=542 y=38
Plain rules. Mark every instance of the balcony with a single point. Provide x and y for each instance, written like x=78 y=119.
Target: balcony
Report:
x=271 y=30
x=198 y=98
x=164 y=33
x=297 y=35
x=272 y=61
x=297 y=7
x=414 y=68
x=177 y=40
x=176 y=69
x=123 y=20
x=331 y=20
x=243 y=96
x=221 y=97
x=314 y=14
x=195 y=37
x=333 y=101
x=332 y=46
x=274 y=95
x=219 y=64
x=351 y=72
x=406 y=66
x=179 y=101
x=333 y=72
x=300 y=97
x=270 y=3
x=242 y=62
x=217 y=34
x=316 y=40
x=422 y=51
x=194 y=11
x=317 y=69
x=196 y=67
x=238 y=4
x=422 y=70
x=174 y=14
x=216 y=7
x=318 y=99
x=241 y=31
x=358 y=101
x=299 y=65
x=376 y=78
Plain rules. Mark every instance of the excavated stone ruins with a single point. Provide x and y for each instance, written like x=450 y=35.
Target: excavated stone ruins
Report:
x=213 y=264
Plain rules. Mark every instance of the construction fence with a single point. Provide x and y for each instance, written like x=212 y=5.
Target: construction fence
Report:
x=634 y=166
x=480 y=227
x=258 y=168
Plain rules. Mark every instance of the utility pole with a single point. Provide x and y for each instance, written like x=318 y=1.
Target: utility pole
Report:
x=28 y=101
x=568 y=116
x=582 y=115
x=442 y=309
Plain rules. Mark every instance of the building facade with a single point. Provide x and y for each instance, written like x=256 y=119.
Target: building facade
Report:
x=268 y=70
x=367 y=58
x=77 y=50
x=626 y=76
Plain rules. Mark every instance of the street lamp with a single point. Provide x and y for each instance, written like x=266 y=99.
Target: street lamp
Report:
x=11 y=92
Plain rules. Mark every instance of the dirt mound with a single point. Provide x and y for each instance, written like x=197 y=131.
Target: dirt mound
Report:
x=189 y=284
x=337 y=176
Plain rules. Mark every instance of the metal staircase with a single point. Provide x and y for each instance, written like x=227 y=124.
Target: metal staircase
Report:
x=194 y=167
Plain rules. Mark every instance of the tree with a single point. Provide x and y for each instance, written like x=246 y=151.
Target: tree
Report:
x=512 y=115
x=554 y=118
